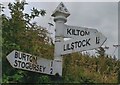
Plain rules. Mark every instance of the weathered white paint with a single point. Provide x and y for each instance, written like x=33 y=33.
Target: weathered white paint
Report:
x=25 y=61
x=60 y=17
x=81 y=44
x=75 y=31
x=61 y=10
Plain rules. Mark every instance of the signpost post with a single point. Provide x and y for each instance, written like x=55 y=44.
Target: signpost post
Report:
x=60 y=17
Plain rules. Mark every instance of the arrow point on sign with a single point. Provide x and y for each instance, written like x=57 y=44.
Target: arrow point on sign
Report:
x=102 y=37
x=10 y=54
x=10 y=57
x=105 y=38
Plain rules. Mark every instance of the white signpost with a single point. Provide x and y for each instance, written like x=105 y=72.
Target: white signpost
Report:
x=29 y=62
x=60 y=17
x=81 y=44
x=75 y=31
x=81 y=39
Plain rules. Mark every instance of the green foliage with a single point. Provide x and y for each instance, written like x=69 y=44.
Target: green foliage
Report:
x=18 y=33
x=83 y=68
x=44 y=79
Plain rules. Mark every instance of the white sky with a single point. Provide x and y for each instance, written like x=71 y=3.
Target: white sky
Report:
x=102 y=16
x=63 y=0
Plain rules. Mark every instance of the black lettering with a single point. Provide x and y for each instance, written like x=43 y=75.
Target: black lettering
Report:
x=20 y=55
x=23 y=56
x=82 y=33
x=27 y=65
x=72 y=45
x=30 y=66
x=76 y=44
x=15 y=63
x=40 y=69
x=97 y=40
x=73 y=31
x=79 y=44
x=88 y=41
x=51 y=63
x=87 y=32
x=51 y=70
x=23 y=65
x=19 y=62
x=69 y=31
x=83 y=44
x=27 y=57
x=78 y=31
x=68 y=47
x=64 y=48
x=16 y=54
x=44 y=69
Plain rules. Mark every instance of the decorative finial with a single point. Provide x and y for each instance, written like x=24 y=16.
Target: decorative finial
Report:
x=61 y=9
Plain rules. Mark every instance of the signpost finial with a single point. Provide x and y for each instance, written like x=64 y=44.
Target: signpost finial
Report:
x=61 y=10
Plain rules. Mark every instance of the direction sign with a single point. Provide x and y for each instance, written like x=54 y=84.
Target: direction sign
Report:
x=75 y=31
x=29 y=62
x=81 y=44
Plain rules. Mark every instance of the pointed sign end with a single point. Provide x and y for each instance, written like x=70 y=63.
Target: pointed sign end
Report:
x=103 y=38
x=10 y=57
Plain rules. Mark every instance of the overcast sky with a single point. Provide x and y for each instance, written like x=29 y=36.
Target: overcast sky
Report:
x=102 y=16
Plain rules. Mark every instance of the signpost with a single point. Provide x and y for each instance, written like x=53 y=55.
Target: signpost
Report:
x=75 y=31
x=60 y=17
x=29 y=62
x=82 y=39
x=81 y=44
